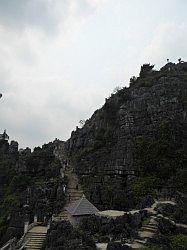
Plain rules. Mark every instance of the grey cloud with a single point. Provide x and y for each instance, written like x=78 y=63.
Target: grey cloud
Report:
x=48 y=84
x=20 y=14
x=46 y=15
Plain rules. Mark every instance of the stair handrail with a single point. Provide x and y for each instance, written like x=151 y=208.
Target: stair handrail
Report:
x=20 y=242
x=8 y=244
x=24 y=244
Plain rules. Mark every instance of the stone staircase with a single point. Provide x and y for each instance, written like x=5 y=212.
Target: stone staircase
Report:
x=145 y=232
x=35 y=238
x=74 y=192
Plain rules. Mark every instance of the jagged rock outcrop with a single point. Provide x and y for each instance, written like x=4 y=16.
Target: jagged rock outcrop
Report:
x=140 y=130
x=31 y=187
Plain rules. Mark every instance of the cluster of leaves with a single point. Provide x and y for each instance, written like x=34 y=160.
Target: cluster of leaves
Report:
x=159 y=159
x=115 y=198
x=33 y=161
x=103 y=229
x=146 y=221
x=179 y=241
x=63 y=236
x=143 y=186
x=160 y=156
x=173 y=242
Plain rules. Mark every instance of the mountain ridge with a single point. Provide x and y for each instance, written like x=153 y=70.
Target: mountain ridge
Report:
x=150 y=115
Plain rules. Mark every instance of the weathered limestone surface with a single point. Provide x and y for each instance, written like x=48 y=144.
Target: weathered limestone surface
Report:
x=103 y=151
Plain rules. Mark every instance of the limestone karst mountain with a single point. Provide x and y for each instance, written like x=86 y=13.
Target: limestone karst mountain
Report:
x=130 y=152
x=135 y=145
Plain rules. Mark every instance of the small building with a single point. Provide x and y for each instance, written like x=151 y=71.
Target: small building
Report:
x=80 y=209
x=4 y=136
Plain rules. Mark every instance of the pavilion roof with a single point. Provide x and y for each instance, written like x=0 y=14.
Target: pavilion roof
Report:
x=82 y=207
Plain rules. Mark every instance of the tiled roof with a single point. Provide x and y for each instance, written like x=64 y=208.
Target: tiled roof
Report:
x=82 y=207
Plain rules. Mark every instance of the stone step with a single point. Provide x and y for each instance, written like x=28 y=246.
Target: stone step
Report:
x=59 y=219
x=144 y=228
x=153 y=216
x=72 y=187
x=36 y=246
x=74 y=195
x=151 y=226
x=135 y=245
x=72 y=180
x=31 y=248
x=37 y=239
x=75 y=191
x=153 y=223
x=146 y=234
x=36 y=236
x=63 y=216
x=73 y=199
x=39 y=246
x=32 y=244
x=142 y=241
x=37 y=232
x=63 y=213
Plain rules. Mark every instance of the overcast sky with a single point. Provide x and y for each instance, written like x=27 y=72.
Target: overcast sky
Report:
x=59 y=59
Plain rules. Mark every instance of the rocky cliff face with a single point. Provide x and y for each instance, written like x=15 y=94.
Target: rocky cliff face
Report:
x=131 y=150
x=30 y=185
x=139 y=132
